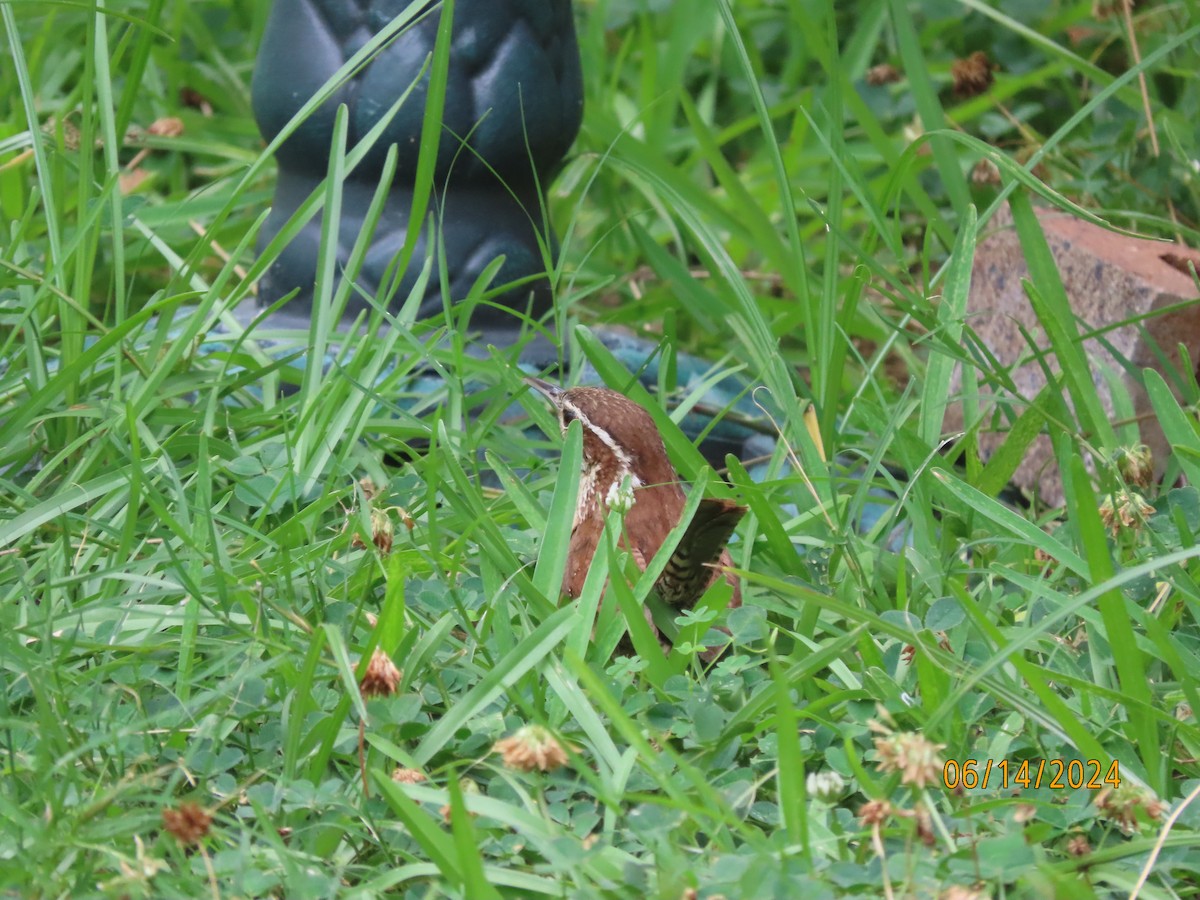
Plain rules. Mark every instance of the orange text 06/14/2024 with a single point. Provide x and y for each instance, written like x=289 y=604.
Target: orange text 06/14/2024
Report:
x=1056 y=774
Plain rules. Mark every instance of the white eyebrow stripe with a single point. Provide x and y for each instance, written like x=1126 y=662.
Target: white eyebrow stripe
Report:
x=618 y=451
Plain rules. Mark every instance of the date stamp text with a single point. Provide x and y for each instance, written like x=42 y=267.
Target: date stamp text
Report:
x=1055 y=774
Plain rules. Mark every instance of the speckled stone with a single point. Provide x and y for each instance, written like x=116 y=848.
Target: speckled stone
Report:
x=1108 y=278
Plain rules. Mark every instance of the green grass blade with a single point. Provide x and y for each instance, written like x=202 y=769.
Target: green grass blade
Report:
x=524 y=658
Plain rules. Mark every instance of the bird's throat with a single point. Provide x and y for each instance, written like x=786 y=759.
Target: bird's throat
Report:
x=599 y=486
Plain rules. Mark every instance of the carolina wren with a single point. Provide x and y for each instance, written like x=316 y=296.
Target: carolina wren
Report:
x=621 y=441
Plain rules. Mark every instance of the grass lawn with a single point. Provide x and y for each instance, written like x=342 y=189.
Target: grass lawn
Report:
x=203 y=541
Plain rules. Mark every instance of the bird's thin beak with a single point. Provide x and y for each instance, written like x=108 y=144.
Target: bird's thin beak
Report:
x=549 y=391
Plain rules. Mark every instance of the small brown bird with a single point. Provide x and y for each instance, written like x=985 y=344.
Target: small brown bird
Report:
x=621 y=441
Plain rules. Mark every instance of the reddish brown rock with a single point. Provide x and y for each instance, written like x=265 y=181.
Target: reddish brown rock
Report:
x=1108 y=278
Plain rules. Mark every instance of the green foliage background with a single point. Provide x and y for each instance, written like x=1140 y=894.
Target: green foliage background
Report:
x=185 y=609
